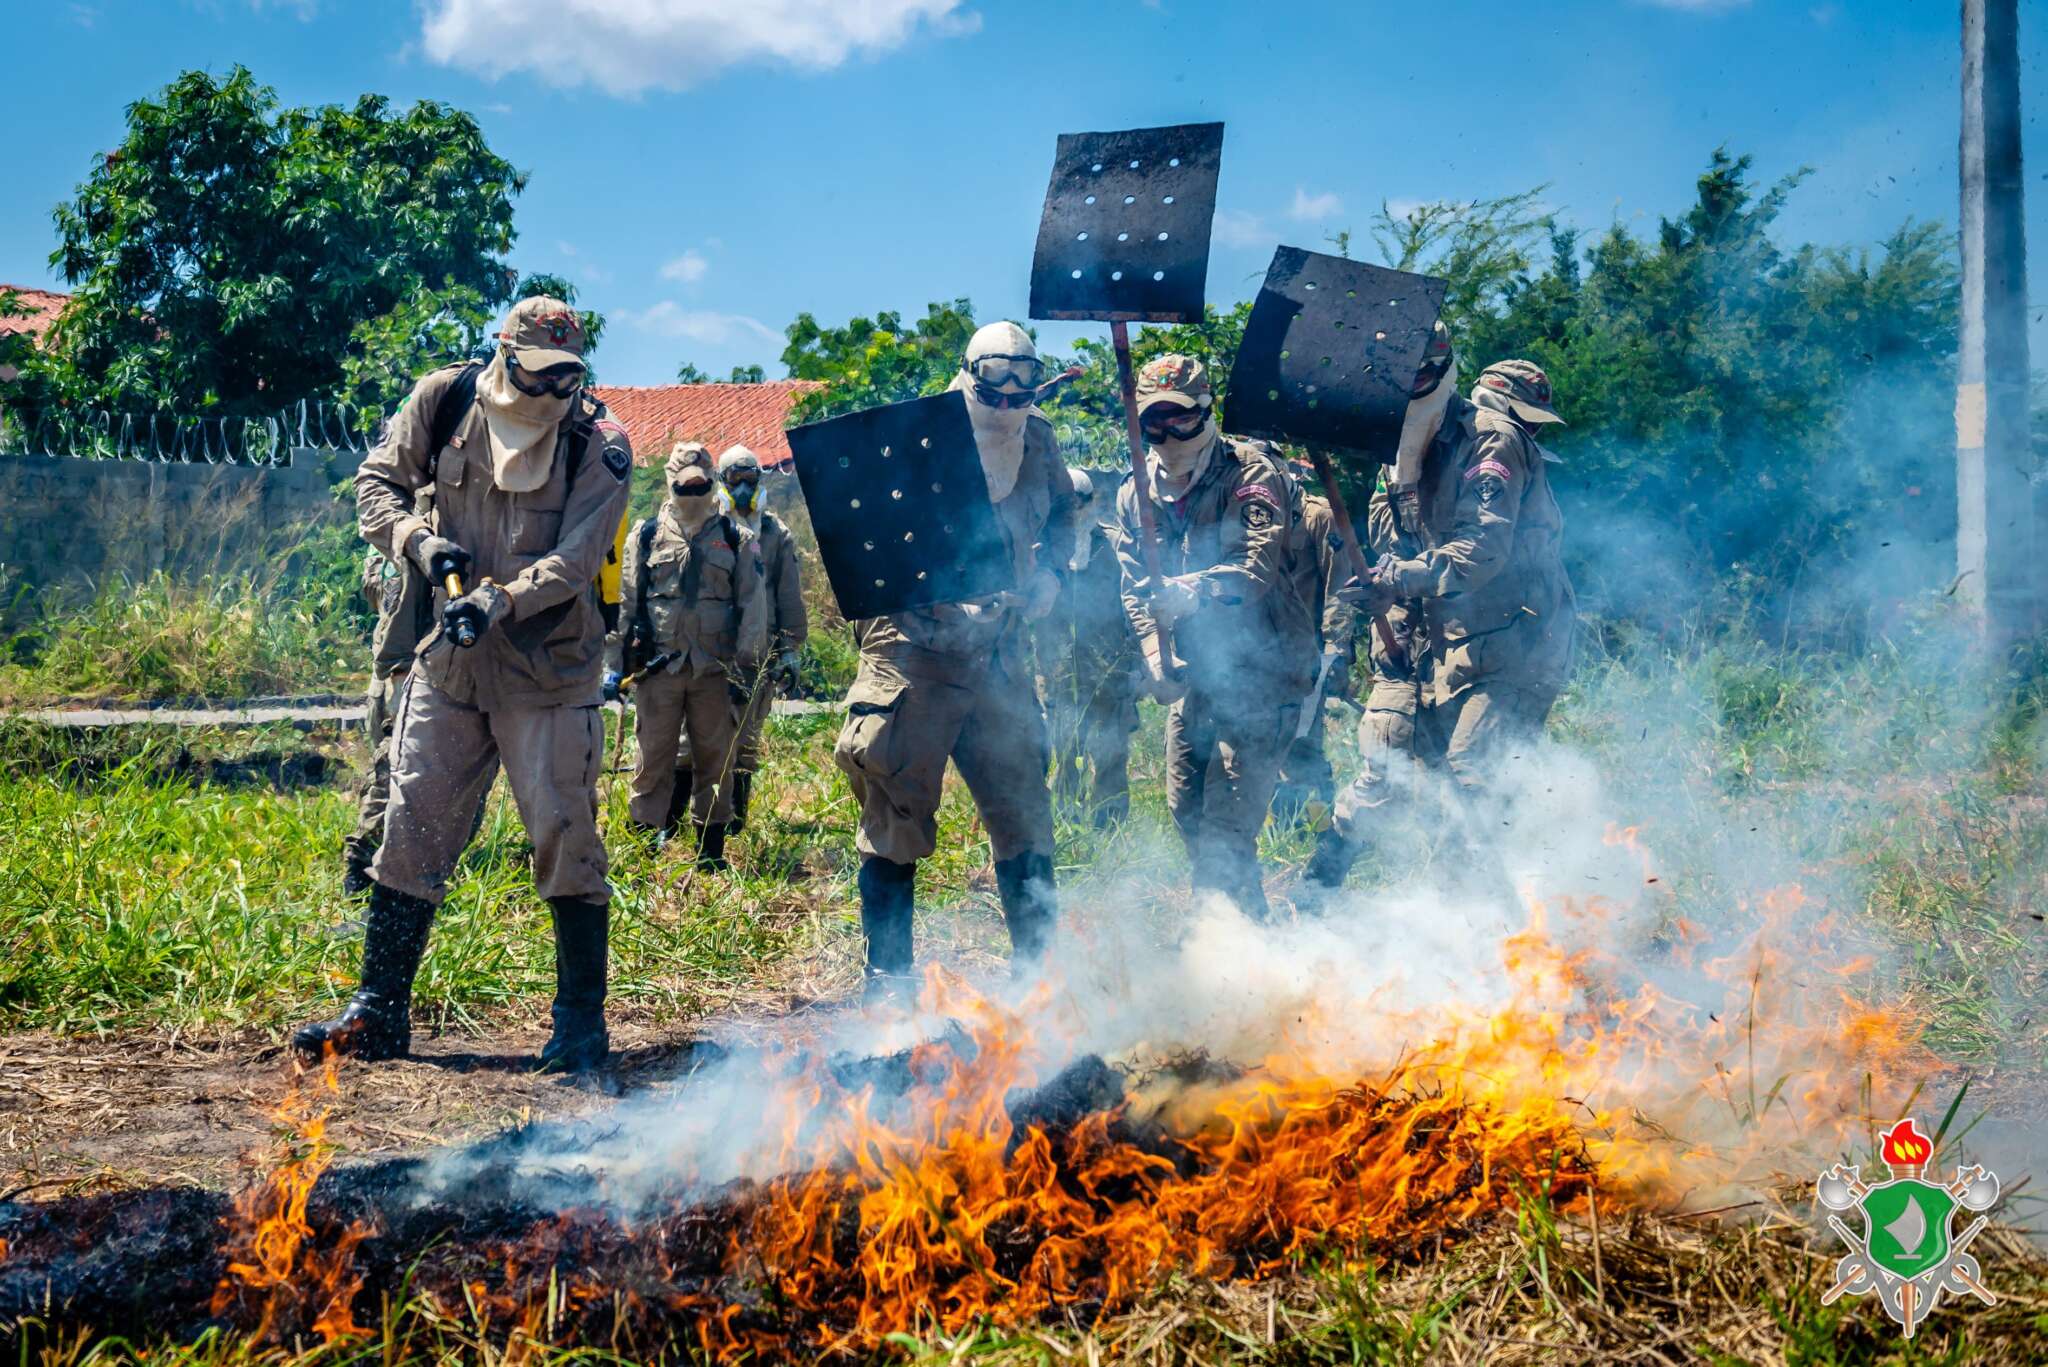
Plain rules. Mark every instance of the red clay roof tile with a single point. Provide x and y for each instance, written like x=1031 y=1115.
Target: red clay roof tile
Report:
x=719 y=415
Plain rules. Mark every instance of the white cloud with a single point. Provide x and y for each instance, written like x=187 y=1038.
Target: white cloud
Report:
x=1236 y=228
x=1319 y=208
x=688 y=268
x=628 y=46
x=670 y=319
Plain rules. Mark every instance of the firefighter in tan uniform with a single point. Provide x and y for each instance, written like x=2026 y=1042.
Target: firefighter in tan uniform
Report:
x=1307 y=784
x=696 y=610
x=955 y=681
x=1470 y=554
x=401 y=602
x=528 y=494
x=1089 y=661
x=789 y=625
x=1240 y=632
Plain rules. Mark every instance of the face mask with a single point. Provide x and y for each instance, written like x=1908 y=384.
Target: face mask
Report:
x=1182 y=457
x=1419 y=426
x=998 y=436
x=520 y=427
x=743 y=496
x=693 y=500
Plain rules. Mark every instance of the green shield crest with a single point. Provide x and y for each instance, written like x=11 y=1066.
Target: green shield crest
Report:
x=1908 y=1222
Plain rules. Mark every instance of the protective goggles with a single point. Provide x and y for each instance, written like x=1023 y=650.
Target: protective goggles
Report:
x=1165 y=422
x=1027 y=372
x=558 y=381
x=1004 y=398
x=682 y=490
x=1434 y=368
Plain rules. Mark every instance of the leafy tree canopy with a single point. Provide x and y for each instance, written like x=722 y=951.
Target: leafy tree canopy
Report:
x=234 y=256
x=690 y=373
x=878 y=360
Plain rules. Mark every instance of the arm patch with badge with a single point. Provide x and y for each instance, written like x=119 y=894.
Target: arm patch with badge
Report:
x=618 y=448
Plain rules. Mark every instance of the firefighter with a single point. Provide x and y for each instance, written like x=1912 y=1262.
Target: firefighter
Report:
x=1470 y=557
x=695 y=626
x=1089 y=659
x=739 y=471
x=1307 y=784
x=529 y=487
x=955 y=681
x=1226 y=637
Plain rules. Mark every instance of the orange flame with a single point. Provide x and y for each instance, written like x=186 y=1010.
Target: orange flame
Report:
x=269 y=1235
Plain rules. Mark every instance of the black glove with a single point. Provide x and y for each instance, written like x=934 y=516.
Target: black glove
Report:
x=788 y=672
x=740 y=687
x=440 y=557
x=470 y=616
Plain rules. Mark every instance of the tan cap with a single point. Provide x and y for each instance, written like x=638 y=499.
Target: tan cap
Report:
x=1178 y=380
x=685 y=455
x=1525 y=387
x=545 y=332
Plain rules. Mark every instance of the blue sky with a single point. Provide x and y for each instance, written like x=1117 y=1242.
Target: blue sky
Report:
x=705 y=169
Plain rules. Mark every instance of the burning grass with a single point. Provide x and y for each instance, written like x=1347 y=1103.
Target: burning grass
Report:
x=967 y=1191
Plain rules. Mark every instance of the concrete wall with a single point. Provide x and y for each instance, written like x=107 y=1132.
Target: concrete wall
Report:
x=73 y=524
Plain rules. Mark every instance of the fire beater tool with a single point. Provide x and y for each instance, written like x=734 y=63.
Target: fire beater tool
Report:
x=1124 y=238
x=1328 y=362
x=901 y=508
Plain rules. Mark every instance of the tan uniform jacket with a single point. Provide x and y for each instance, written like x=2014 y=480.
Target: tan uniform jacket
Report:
x=543 y=548
x=1251 y=636
x=716 y=613
x=1488 y=573
x=948 y=642
x=789 y=624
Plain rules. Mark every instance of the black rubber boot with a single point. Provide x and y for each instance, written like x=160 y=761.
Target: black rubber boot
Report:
x=377 y=1022
x=582 y=954
x=711 y=847
x=1031 y=906
x=742 y=794
x=1331 y=863
x=679 y=802
x=888 y=900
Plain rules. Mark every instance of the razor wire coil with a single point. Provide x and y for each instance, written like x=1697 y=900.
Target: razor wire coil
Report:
x=65 y=432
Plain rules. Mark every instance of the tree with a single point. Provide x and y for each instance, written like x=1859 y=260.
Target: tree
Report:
x=690 y=373
x=226 y=254
x=875 y=361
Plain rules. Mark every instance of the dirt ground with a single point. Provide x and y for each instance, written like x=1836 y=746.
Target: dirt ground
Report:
x=82 y=1114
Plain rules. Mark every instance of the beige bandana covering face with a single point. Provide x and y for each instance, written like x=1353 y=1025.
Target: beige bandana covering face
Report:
x=521 y=429
x=1419 y=428
x=1178 y=462
x=998 y=436
x=689 y=463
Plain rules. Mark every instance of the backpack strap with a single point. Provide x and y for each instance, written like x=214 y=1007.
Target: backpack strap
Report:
x=450 y=413
x=643 y=623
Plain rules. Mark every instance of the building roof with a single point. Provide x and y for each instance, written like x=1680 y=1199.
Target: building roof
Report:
x=719 y=415
x=43 y=307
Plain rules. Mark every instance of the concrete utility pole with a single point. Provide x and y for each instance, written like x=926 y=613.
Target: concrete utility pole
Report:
x=2000 y=536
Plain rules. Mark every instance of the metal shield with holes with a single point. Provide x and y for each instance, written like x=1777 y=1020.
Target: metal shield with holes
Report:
x=900 y=507
x=1125 y=232
x=1330 y=353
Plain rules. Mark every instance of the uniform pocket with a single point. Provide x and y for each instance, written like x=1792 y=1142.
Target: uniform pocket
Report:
x=869 y=743
x=535 y=531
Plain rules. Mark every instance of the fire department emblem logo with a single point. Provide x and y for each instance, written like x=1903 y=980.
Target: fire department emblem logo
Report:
x=560 y=328
x=1909 y=1254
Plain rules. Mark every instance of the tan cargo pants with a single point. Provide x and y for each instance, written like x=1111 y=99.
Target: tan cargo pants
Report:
x=677 y=716
x=362 y=842
x=753 y=720
x=1401 y=742
x=444 y=755
x=1221 y=767
x=900 y=730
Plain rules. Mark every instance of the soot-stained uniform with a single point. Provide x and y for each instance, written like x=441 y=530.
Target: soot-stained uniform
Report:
x=956 y=681
x=1245 y=652
x=526 y=695
x=706 y=600
x=1487 y=610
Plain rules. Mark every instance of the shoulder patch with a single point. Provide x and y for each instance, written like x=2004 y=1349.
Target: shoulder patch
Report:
x=1257 y=515
x=618 y=451
x=1258 y=493
x=1489 y=466
x=611 y=427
